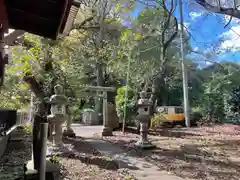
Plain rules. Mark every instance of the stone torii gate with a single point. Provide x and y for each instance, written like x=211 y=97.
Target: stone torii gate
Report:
x=107 y=130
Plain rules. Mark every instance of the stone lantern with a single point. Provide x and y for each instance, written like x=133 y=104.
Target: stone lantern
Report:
x=144 y=107
x=58 y=115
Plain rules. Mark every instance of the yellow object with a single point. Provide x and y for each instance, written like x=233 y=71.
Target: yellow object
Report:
x=166 y=114
x=174 y=117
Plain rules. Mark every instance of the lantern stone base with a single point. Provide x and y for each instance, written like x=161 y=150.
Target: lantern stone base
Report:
x=145 y=145
x=107 y=131
x=58 y=151
x=52 y=171
x=56 y=121
x=69 y=133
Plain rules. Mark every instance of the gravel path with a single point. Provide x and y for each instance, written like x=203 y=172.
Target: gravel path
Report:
x=207 y=153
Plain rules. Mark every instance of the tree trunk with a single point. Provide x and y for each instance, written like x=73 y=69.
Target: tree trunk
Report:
x=40 y=116
x=158 y=81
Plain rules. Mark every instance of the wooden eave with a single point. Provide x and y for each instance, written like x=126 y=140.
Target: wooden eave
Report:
x=46 y=18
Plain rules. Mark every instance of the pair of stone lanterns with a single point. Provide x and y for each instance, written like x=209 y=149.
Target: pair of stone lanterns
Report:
x=59 y=115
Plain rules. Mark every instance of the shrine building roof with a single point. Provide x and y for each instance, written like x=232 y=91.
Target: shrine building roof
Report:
x=46 y=18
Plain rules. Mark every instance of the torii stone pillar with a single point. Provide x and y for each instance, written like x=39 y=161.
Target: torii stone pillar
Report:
x=107 y=130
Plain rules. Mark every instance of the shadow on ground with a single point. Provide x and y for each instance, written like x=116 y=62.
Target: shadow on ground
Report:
x=165 y=132
x=84 y=152
x=178 y=133
x=207 y=161
x=193 y=162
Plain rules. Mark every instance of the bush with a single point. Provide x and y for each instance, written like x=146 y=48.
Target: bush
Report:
x=157 y=120
x=196 y=117
x=120 y=103
x=27 y=128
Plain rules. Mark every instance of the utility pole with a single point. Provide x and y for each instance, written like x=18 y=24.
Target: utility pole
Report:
x=184 y=70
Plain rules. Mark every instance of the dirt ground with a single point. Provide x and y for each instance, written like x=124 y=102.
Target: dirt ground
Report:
x=11 y=163
x=83 y=163
x=204 y=153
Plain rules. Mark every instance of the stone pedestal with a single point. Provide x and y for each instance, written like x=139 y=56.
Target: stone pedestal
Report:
x=55 y=129
x=106 y=131
x=52 y=171
x=143 y=142
x=68 y=132
x=58 y=151
x=57 y=135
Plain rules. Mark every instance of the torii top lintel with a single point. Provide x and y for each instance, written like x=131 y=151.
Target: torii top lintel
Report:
x=46 y=18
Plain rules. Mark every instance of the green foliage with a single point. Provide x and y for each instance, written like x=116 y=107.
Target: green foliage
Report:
x=157 y=120
x=78 y=60
x=27 y=128
x=54 y=159
x=120 y=103
x=195 y=118
x=218 y=88
x=234 y=100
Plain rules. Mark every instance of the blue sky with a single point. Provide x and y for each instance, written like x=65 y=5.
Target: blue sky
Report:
x=208 y=34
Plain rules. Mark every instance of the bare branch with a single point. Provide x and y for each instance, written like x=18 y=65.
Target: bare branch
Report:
x=173 y=36
x=228 y=22
x=208 y=60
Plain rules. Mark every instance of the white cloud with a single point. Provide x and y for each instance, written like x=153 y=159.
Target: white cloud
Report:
x=195 y=15
x=231 y=39
x=234 y=21
x=196 y=49
x=208 y=63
